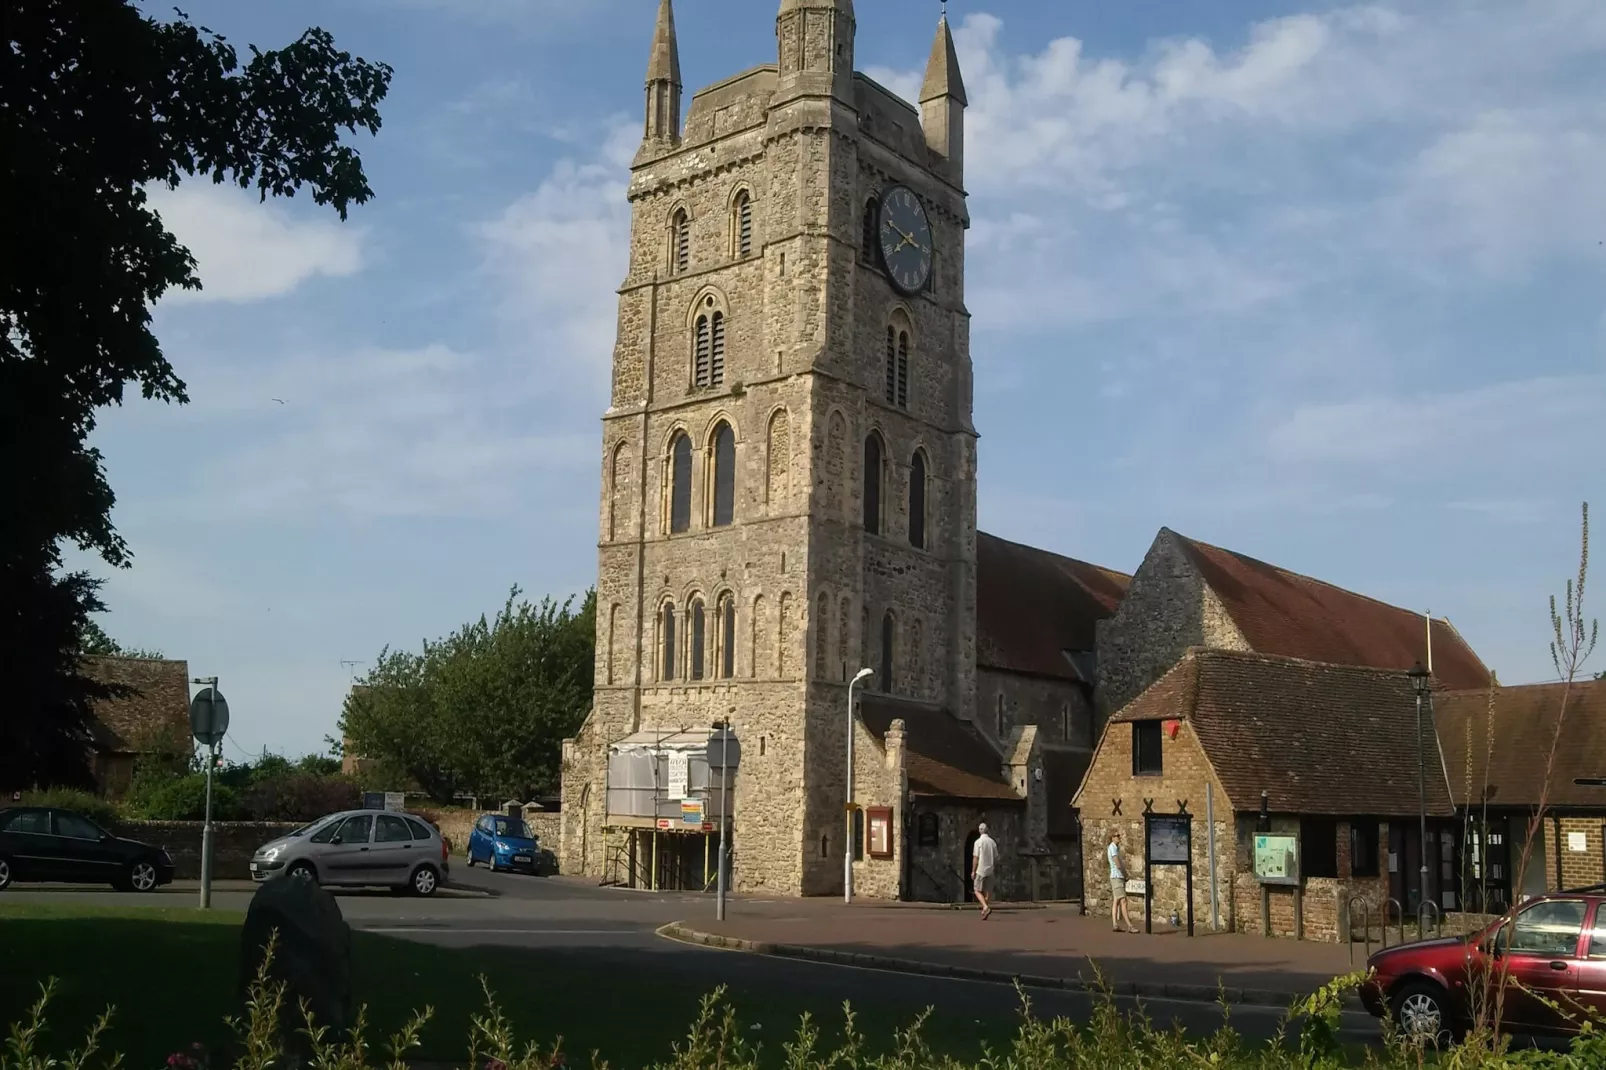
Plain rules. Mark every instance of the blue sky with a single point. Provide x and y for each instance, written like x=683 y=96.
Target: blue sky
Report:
x=1320 y=283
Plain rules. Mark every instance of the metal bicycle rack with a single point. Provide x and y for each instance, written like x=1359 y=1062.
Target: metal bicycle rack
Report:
x=1421 y=924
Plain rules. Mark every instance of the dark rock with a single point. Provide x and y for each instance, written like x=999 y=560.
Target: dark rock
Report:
x=312 y=956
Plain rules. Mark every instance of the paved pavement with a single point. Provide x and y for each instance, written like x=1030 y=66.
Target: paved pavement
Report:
x=557 y=918
x=1054 y=945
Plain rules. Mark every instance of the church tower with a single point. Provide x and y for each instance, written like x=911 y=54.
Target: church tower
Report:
x=788 y=458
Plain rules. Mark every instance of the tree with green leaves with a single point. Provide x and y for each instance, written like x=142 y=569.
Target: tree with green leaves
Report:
x=98 y=104
x=485 y=710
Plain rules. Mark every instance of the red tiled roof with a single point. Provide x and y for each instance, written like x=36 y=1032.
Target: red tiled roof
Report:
x=944 y=755
x=1032 y=604
x=1320 y=738
x=156 y=711
x=1283 y=613
x=1517 y=747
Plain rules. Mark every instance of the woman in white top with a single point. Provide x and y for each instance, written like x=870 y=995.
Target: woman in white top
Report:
x=1119 y=912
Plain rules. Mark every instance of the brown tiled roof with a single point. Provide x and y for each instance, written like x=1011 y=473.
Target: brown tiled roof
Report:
x=157 y=707
x=1031 y=605
x=944 y=755
x=1321 y=739
x=1517 y=748
x=1284 y=613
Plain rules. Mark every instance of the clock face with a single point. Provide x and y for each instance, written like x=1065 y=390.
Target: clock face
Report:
x=905 y=239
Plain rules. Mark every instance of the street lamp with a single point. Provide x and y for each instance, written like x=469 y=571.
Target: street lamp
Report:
x=1421 y=682
x=847 y=849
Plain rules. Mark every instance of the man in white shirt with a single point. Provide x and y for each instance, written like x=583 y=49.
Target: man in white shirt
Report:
x=983 y=859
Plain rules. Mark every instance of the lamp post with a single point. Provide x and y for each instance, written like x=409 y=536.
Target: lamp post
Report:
x=1421 y=681
x=847 y=849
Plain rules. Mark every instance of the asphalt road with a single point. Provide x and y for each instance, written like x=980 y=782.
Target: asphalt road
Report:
x=617 y=928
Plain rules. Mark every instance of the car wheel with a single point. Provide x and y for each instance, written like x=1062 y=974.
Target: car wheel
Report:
x=1422 y=1013
x=302 y=871
x=140 y=876
x=5 y=873
x=425 y=881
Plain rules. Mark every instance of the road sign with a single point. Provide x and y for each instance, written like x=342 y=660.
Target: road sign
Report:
x=209 y=716
x=724 y=749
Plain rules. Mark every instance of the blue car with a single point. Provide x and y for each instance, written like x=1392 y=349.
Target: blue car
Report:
x=503 y=843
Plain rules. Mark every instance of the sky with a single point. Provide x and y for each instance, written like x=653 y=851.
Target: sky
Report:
x=1323 y=284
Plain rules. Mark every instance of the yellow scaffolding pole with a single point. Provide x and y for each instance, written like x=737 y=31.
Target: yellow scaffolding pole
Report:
x=655 y=860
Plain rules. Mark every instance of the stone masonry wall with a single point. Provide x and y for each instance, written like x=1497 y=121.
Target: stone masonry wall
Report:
x=233 y=844
x=1184 y=776
x=880 y=780
x=1062 y=710
x=938 y=873
x=1167 y=609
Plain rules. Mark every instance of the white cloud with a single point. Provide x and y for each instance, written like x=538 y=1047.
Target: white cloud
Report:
x=246 y=250
x=1523 y=421
x=556 y=256
x=377 y=433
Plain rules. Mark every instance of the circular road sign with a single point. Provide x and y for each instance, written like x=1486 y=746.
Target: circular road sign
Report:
x=209 y=717
x=724 y=749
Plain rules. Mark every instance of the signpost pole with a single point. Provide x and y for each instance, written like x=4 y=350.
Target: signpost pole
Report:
x=211 y=763
x=1188 y=876
x=1148 y=876
x=724 y=815
x=1210 y=832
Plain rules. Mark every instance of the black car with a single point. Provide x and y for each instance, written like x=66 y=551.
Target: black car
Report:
x=45 y=844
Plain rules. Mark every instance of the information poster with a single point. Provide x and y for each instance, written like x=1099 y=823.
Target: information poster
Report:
x=679 y=773
x=1277 y=857
x=1168 y=838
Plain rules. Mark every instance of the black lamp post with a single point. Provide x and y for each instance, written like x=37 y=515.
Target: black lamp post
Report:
x=1421 y=682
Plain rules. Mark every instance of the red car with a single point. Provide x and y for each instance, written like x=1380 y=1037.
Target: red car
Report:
x=1554 y=946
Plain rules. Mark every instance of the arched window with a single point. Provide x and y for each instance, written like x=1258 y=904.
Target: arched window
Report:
x=917 y=500
x=844 y=616
x=916 y=645
x=864 y=638
x=872 y=228
x=667 y=634
x=822 y=642
x=680 y=242
x=613 y=632
x=888 y=629
x=698 y=636
x=892 y=365
x=724 y=474
x=716 y=364
x=680 y=484
x=872 y=484
x=708 y=349
x=903 y=369
x=744 y=225
x=783 y=637
x=727 y=638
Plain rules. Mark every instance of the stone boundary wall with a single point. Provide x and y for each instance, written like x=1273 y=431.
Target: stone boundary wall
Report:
x=233 y=843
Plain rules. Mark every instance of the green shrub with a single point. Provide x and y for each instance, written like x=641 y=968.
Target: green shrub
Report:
x=300 y=797
x=272 y=1034
x=156 y=797
x=101 y=811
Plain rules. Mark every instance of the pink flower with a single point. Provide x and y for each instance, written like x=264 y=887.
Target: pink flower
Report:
x=495 y=1064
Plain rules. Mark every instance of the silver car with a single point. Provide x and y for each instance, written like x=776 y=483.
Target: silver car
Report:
x=360 y=848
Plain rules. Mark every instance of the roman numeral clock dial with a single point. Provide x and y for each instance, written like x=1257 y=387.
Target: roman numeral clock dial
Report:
x=905 y=240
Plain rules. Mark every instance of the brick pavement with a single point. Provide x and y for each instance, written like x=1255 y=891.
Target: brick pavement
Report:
x=1055 y=943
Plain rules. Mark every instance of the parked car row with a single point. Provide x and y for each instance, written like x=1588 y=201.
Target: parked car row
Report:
x=353 y=848
x=42 y=843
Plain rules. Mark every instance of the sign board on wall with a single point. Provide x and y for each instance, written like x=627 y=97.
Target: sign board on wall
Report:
x=1168 y=838
x=679 y=774
x=1277 y=857
x=1577 y=841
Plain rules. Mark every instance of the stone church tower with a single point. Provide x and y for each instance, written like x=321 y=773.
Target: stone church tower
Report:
x=788 y=458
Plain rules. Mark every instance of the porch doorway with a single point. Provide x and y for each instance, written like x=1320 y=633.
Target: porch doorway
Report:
x=965 y=867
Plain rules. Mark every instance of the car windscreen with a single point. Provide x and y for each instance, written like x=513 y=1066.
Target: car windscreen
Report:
x=508 y=826
x=304 y=829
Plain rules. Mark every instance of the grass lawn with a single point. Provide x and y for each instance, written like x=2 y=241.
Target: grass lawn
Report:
x=171 y=975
